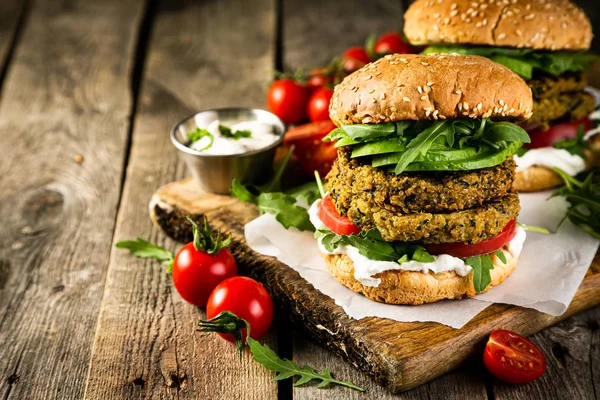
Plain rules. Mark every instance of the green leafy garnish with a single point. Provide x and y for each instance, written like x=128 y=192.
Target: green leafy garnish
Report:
x=144 y=249
x=287 y=369
x=198 y=134
x=280 y=204
x=237 y=135
x=583 y=195
x=228 y=322
x=450 y=145
x=577 y=145
x=371 y=245
x=524 y=62
x=482 y=265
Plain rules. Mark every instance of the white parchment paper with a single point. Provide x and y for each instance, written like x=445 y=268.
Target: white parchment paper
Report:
x=550 y=269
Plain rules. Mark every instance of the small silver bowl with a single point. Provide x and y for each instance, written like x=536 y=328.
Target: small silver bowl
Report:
x=214 y=173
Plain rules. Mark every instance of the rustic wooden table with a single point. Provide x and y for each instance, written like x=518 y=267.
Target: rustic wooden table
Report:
x=89 y=90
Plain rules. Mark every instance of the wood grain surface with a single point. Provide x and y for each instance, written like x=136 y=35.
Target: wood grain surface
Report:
x=146 y=344
x=372 y=344
x=65 y=95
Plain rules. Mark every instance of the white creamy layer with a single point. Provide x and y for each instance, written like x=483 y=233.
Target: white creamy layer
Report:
x=550 y=157
x=365 y=269
x=262 y=136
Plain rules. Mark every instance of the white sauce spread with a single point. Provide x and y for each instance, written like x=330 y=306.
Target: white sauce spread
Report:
x=262 y=135
x=550 y=157
x=365 y=269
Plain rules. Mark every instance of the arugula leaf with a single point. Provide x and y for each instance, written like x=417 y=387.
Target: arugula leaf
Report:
x=144 y=249
x=198 y=134
x=501 y=256
x=420 y=145
x=371 y=245
x=308 y=192
x=577 y=145
x=482 y=265
x=237 y=135
x=583 y=195
x=286 y=212
x=287 y=369
x=525 y=61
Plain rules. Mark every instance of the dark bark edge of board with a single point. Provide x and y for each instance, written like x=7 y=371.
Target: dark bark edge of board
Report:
x=370 y=344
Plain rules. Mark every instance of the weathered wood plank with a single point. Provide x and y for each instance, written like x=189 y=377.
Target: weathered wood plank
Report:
x=201 y=55
x=11 y=13
x=66 y=94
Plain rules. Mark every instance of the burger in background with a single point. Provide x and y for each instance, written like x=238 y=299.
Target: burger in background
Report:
x=546 y=42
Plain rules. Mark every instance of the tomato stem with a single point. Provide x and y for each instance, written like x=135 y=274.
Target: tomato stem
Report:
x=227 y=322
x=205 y=238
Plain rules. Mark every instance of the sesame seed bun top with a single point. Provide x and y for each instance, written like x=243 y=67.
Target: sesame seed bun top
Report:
x=401 y=87
x=534 y=24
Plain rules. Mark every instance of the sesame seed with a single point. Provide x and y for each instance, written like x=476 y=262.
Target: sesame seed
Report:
x=454 y=6
x=460 y=106
x=520 y=105
x=424 y=63
x=518 y=32
x=430 y=84
x=436 y=28
x=371 y=91
x=479 y=106
x=441 y=57
x=453 y=13
x=501 y=102
x=436 y=15
x=484 y=22
x=446 y=20
x=478 y=25
x=465 y=105
x=435 y=113
x=406 y=99
x=388 y=57
x=512 y=110
x=424 y=97
x=374 y=100
x=458 y=91
x=419 y=89
x=465 y=113
x=529 y=16
x=393 y=63
x=442 y=117
x=378 y=73
x=393 y=108
x=426 y=89
x=382 y=96
x=404 y=60
x=501 y=36
x=427 y=113
x=368 y=77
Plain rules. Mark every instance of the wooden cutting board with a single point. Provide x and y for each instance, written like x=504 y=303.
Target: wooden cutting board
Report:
x=399 y=355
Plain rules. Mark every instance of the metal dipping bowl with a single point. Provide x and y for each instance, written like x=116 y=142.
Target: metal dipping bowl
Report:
x=214 y=173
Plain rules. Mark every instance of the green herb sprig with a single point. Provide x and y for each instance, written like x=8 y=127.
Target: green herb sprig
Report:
x=577 y=145
x=235 y=135
x=583 y=195
x=198 y=134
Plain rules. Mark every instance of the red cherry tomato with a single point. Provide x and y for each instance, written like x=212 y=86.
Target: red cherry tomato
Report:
x=246 y=298
x=392 y=42
x=463 y=250
x=332 y=219
x=196 y=273
x=318 y=78
x=312 y=153
x=564 y=130
x=512 y=358
x=354 y=58
x=318 y=104
x=287 y=99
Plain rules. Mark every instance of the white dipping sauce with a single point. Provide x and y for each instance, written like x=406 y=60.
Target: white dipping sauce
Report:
x=550 y=157
x=261 y=137
x=365 y=269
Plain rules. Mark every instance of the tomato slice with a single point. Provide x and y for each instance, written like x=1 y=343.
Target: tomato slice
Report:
x=464 y=250
x=311 y=152
x=332 y=219
x=556 y=132
x=512 y=358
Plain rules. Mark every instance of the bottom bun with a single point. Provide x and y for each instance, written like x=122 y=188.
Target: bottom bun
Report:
x=535 y=179
x=410 y=287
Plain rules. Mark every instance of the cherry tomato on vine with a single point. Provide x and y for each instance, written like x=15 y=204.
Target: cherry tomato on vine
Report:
x=354 y=58
x=318 y=78
x=392 y=42
x=312 y=153
x=248 y=300
x=318 y=104
x=512 y=358
x=287 y=99
x=199 y=266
